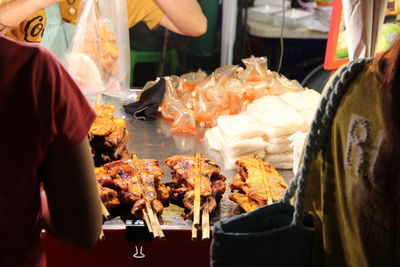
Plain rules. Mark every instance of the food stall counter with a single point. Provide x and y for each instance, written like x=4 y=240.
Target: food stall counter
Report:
x=125 y=243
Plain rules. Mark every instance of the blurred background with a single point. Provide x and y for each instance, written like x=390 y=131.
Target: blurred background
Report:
x=238 y=29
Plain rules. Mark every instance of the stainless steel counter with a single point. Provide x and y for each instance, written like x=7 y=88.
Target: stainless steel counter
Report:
x=152 y=139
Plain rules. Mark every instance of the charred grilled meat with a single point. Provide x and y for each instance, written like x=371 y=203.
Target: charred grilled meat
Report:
x=257 y=182
x=108 y=136
x=212 y=183
x=132 y=188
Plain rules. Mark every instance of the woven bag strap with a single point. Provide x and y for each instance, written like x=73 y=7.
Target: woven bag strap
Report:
x=318 y=133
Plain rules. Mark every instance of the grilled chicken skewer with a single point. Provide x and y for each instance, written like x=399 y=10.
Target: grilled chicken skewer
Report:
x=146 y=180
x=137 y=183
x=211 y=186
x=258 y=184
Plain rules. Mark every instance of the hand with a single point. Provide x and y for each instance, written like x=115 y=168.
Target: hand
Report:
x=183 y=17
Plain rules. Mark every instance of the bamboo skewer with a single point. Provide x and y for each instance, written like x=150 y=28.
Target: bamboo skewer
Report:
x=194 y=232
x=147 y=220
x=205 y=223
x=158 y=228
x=102 y=236
x=149 y=216
x=154 y=223
x=98 y=101
x=152 y=220
x=205 y=215
x=197 y=192
x=105 y=212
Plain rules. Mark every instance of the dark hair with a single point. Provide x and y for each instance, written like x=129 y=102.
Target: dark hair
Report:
x=389 y=153
x=386 y=169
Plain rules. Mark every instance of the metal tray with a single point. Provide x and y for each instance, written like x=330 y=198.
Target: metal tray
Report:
x=152 y=139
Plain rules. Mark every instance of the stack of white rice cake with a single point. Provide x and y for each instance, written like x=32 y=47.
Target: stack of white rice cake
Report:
x=264 y=129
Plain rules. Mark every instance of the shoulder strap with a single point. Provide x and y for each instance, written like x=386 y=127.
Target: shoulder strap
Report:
x=319 y=130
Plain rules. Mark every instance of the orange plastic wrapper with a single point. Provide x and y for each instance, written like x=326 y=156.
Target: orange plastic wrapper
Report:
x=204 y=110
x=184 y=123
x=192 y=79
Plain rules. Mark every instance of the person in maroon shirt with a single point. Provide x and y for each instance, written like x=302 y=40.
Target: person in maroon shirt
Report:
x=44 y=121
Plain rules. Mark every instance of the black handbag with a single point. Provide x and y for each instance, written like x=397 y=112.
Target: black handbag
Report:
x=268 y=236
x=280 y=234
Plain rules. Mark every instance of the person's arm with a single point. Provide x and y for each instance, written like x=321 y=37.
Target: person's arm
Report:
x=14 y=12
x=183 y=17
x=72 y=196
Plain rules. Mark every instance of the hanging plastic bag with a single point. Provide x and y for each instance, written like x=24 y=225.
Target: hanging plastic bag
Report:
x=98 y=58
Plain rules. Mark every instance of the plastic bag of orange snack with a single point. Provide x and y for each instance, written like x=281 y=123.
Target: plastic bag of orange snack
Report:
x=281 y=85
x=171 y=104
x=98 y=58
x=214 y=93
x=256 y=69
x=184 y=123
x=171 y=110
x=225 y=73
x=192 y=79
x=204 y=110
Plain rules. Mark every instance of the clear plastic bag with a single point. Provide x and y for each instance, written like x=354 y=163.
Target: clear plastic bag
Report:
x=214 y=92
x=192 y=79
x=282 y=85
x=256 y=69
x=184 y=123
x=204 y=110
x=225 y=73
x=98 y=58
x=171 y=104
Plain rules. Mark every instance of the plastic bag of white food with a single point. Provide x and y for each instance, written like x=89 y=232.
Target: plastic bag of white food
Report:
x=98 y=58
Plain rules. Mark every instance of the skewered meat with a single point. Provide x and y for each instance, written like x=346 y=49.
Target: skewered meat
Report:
x=244 y=201
x=115 y=137
x=183 y=167
x=108 y=196
x=108 y=136
x=103 y=124
x=212 y=183
x=132 y=188
x=258 y=182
